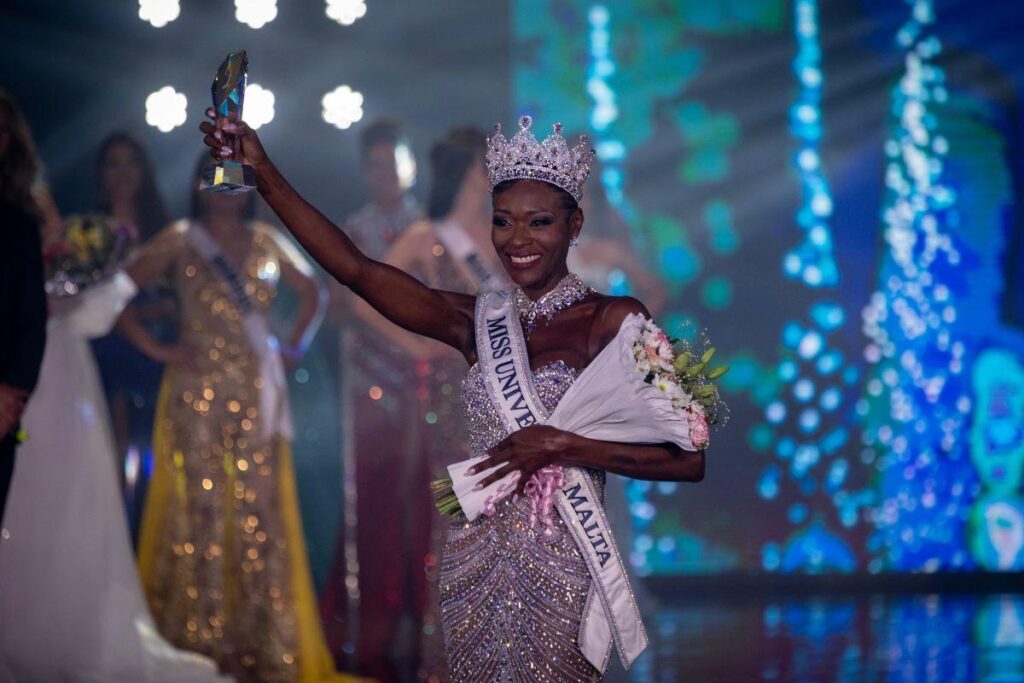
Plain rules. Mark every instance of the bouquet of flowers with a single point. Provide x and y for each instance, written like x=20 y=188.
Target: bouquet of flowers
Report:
x=90 y=250
x=644 y=387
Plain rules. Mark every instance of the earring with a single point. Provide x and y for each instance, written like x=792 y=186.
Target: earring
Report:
x=575 y=241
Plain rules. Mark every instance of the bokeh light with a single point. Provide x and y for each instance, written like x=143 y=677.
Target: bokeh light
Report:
x=259 y=105
x=255 y=13
x=342 y=107
x=166 y=109
x=346 y=12
x=159 y=13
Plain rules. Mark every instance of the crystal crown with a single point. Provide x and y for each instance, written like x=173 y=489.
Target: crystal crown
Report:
x=552 y=161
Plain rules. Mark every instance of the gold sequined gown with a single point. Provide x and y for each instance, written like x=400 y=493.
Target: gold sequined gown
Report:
x=511 y=597
x=221 y=552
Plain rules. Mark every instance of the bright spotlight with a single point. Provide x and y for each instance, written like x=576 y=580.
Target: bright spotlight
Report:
x=405 y=164
x=259 y=105
x=159 y=13
x=255 y=13
x=346 y=12
x=166 y=109
x=342 y=107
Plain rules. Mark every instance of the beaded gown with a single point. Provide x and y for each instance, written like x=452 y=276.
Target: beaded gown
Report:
x=511 y=597
x=221 y=553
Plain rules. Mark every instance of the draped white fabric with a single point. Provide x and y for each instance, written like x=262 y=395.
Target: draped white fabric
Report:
x=71 y=605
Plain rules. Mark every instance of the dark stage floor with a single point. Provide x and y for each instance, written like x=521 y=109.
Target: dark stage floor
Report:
x=859 y=639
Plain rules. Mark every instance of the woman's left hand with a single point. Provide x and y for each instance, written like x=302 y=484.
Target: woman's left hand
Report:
x=528 y=450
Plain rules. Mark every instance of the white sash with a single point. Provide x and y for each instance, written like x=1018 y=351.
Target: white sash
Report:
x=473 y=266
x=611 y=614
x=275 y=411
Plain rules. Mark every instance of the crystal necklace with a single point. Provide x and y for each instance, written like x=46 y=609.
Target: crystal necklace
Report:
x=569 y=290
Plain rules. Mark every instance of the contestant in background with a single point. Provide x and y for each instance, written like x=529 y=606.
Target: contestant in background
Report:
x=452 y=251
x=71 y=605
x=127 y=192
x=364 y=596
x=221 y=552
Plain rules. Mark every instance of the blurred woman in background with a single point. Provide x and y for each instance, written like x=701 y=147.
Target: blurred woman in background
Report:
x=221 y=551
x=127 y=192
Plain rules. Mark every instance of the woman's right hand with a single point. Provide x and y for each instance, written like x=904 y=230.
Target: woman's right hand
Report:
x=224 y=137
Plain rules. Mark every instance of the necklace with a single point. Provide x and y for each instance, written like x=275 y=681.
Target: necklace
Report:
x=569 y=290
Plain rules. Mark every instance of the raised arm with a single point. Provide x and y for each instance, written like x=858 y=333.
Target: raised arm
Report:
x=396 y=295
x=405 y=254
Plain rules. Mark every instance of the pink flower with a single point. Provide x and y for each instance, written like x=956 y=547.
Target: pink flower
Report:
x=699 y=429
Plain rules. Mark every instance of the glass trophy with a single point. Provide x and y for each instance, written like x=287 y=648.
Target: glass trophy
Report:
x=230 y=176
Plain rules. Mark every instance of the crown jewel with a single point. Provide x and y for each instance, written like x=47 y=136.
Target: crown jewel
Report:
x=524 y=158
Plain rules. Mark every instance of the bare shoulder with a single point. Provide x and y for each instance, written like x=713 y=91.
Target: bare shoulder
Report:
x=272 y=239
x=611 y=311
x=170 y=239
x=418 y=235
x=415 y=241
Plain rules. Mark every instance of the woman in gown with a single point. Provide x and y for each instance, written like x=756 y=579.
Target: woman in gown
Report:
x=221 y=551
x=512 y=597
x=71 y=605
x=127 y=192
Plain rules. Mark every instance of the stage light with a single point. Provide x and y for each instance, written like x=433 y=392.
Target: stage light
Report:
x=166 y=109
x=159 y=13
x=259 y=105
x=342 y=107
x=405 y=165
x=346 y=12
x=255 y=13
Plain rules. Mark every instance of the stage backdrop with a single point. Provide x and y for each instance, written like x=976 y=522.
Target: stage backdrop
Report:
x=831 y=191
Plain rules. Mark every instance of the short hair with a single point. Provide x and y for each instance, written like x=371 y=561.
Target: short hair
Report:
x=383 y=130
x=450 y=158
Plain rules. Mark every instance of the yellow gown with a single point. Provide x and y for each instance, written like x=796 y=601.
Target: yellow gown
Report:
x=221 y=551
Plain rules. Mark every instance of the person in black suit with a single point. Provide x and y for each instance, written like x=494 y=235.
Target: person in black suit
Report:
x=22 y=299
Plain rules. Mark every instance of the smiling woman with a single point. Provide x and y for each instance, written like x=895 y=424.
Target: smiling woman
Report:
x=534 y=223
x=517 y=601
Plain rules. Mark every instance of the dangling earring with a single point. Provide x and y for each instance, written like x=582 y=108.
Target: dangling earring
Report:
x=575 y=241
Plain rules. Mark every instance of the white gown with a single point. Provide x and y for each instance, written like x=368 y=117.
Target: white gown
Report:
x=71 y=604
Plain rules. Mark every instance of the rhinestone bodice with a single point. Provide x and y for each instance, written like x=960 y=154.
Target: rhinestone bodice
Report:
x=511 y=597
x=482 y=418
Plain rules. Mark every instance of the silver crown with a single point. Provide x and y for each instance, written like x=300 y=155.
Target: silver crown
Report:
x=552 y=161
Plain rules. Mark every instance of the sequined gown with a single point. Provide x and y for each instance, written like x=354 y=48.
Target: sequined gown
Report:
x=512 y=598
x=221 y=553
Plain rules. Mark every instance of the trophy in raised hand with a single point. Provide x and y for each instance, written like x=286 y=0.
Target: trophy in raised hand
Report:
x=230 y=176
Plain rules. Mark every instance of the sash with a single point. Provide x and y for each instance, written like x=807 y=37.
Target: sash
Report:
x=275 y=410
x=611 y=614
x=467 y=258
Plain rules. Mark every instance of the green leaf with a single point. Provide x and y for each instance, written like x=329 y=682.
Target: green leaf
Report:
x=696 y=369
x=718 y=372
x=682 y=360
